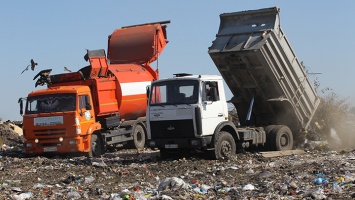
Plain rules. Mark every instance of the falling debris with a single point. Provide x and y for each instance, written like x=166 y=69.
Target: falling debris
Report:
x=66 y=69
x=33 y=65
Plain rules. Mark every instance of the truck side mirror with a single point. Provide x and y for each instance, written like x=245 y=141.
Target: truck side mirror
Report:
x=21 y=105
x=148 y=91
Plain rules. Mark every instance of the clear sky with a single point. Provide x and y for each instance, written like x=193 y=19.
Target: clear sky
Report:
x=57 y=33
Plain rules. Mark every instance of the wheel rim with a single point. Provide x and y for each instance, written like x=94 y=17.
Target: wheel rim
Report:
x=226 y=148
x=284 y=140
x=139 y=136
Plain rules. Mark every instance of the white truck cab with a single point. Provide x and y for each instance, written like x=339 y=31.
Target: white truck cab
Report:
x=185 y=111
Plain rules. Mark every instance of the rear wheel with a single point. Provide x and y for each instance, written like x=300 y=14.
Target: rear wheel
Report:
x=224 y=147
x=281 y=138
x=269 y=140
x=139 y=136
x=96 y=148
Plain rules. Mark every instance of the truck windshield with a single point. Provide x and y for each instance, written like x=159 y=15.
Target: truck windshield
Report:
x=51 y=103
x=174 y=92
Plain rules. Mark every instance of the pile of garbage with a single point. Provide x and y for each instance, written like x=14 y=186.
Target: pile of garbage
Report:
x=127 y=174
x=11 y=136
x=312 y=172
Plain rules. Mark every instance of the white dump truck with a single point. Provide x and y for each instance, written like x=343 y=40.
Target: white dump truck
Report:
x=272 y=95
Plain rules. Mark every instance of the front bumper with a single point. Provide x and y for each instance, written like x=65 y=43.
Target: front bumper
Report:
x=181 y=143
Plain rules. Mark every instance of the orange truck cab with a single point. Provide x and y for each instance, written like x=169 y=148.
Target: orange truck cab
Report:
x=100 y=105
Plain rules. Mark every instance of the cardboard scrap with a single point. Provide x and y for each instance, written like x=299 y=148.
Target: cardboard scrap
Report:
x=270 y=154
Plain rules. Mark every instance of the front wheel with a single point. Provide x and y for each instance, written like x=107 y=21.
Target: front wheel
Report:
x=224 y=147
x=281 y=138
x=139 y=136
x=96 y=147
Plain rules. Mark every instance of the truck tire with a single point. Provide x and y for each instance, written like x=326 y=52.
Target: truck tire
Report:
x=281 y=138
x=139 y=136
x=269 y=140
x=224 y=147
x=96 y=148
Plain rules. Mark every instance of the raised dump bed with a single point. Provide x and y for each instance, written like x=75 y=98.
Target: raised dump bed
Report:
x=258 y=64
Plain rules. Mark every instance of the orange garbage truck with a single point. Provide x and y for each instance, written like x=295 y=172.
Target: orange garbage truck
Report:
x=100 y=105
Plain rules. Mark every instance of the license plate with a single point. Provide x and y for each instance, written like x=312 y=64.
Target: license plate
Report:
x=49 y=149
x=171 y=146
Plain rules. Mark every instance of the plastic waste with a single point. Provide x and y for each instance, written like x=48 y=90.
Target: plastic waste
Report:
x=89 y=179
x=23 y=196
x=139 y=194
x=200 y=190
x=38 y=185
x=115 y=196
x=249 y=187
x=323 y=181
x=173 y=183
x=293 y=184
x=336 y=188
x=73 y=195
x=177 y=183
x=224 y=190
x=99 y=164
x=265 y=174
x=164 y=184
x=318 y=194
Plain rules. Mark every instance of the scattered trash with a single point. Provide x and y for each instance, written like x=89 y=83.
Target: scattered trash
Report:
x=124 y=174
x=249 y=187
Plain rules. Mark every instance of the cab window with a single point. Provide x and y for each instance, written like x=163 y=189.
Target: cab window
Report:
x=211 y=92
x=84 y=102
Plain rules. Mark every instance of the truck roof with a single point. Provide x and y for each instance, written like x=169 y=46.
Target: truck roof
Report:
x=61 y=89
x=192 y=77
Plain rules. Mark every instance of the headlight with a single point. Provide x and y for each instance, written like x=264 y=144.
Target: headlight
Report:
x=61 y=139
x=36 y=141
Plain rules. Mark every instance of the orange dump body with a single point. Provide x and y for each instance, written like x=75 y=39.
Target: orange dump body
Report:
x=120 y=84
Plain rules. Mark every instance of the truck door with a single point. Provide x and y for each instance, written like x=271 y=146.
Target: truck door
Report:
x=213 y=111
x=86 y=112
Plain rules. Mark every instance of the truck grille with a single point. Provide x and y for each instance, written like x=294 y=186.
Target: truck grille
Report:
x=172 y=129
x=49 y=132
